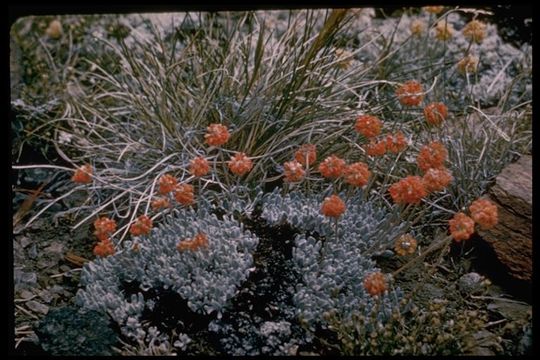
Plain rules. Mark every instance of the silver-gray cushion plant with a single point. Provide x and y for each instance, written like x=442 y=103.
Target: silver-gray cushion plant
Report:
x=331 y=278
x=206 y=278
x=332 y=272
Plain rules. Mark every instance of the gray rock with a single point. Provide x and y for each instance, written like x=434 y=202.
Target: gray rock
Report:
x=471 y=283
x=46 y=263
x=37 y=307
x=292 y=350
x=511 y=310
x=47 y=296
x=55 y=248
x=19 y=257
x=32 y=251
x=25 y=294
x=24 y=279
x=24 y=241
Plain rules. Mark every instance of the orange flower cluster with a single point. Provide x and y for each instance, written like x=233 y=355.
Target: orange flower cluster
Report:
x=396 y=143
x=306 y=155
x=167 y=183
x=435 y=113
x=444 y=31
x=160 y=203
x=432 y=156
x=104 y=227
x=184 y=194
x=199 y=166
x=199 y=241
x=104 y=248
x=433 y=9
x=475 y=31
x=437 y=179
x=332 y=167
x=375 y=283
x=368 y=125
x=357 y=174
x=410 y=93
x=333 y=206
x=461 y=227
x=405 y=245
x=376 y=148
x=409 y=190
x=468 y=64
x=417 y=27
x=83 y=175
x=485 y=213
x=217 y=135
x=142 y=226
x=240 y=164
x=293 y=171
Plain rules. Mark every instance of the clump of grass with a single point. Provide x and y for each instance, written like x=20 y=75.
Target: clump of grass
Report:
x=149 y=117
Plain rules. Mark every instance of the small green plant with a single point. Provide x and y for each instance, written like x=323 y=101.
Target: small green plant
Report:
x=434 y=330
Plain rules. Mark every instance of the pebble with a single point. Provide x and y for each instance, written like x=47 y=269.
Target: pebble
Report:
x=24 y=241
x=293 y=350
x=23 y=278
x=55 y=248
x=32 y=251
x=37 y=307
x=471 y=283
x=25 y=294
x=46 y=263
x=47 y=296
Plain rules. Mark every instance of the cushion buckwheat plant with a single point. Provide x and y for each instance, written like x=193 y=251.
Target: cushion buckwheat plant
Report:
x=368 y=125
x=436 y=179
x=183 y=193
x=206 y=271
x=199 y=166
x=293 y=171
x=432 y=155
x=410 y=190
x=435 y=113
x=240 y=164
x=217 y=135
x=484 y=213
x=396 y=143
x=332 y=273
x=357 y=174
x=461 y=227
x=332 y=167
x=306 y=154
x=411 y=93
